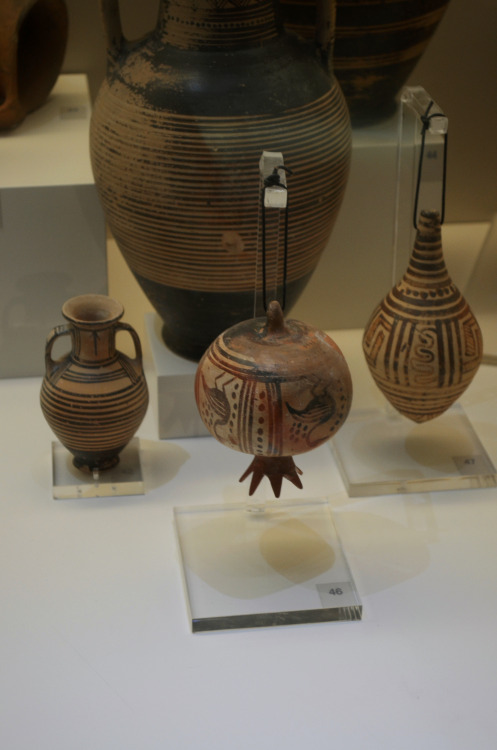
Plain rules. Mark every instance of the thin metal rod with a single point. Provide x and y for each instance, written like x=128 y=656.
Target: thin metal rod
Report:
x=263 y=226
x=285 y=257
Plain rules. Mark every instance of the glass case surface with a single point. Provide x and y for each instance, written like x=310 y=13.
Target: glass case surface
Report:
x=380 y=452
x=126 y=478
x=264 y=564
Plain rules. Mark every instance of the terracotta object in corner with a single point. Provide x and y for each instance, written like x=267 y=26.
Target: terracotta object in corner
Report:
x=95 y=397
x=275 y=389
x=423 y=344
x=33 y=38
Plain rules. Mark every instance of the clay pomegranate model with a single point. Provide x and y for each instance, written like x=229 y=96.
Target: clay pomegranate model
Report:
x=423 y=344
x=273 y=388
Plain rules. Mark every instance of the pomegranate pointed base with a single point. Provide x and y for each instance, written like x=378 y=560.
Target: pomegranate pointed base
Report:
x=275 y=468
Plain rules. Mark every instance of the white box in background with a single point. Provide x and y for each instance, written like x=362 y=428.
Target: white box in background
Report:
x=52 y=229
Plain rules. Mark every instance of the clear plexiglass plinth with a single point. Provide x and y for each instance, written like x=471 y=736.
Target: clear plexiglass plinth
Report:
x=256 y=565
x=126 y=478
x=380 y=452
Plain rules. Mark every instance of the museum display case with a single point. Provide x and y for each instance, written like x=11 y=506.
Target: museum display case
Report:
x=157 y=603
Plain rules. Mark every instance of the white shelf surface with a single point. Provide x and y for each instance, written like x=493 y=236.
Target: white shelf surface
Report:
x=61 y=123
x=95 y=645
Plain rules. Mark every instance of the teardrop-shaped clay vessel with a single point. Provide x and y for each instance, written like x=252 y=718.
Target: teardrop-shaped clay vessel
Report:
x=275 y=389
x=423 y=344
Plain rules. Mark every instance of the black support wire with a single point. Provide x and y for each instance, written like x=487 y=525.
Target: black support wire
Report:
x=426 y=120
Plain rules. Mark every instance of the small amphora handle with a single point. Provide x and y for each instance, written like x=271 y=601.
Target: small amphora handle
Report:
x=324 y=36
x=52 y=364
x=136 y=340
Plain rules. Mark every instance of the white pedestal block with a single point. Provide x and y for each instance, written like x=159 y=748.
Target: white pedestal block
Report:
x=355 y=269
x=52 y=229
x=178 y=415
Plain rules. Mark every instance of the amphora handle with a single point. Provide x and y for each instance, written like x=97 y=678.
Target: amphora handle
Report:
x=114 y=36
x=324 y=35
x=136 y=340
x=52 y=364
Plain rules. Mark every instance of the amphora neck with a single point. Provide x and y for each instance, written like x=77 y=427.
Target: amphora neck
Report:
x=93 y=320
x=427 y=265
x=93 y=345
x=217 y=24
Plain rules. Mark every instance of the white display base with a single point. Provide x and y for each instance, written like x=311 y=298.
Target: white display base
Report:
x=125 y=478
x=52 y=229
x=380 y=452
x=264 y=564
x=178 y=415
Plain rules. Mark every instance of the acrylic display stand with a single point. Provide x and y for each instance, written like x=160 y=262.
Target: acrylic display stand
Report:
x=125 y=478
x=378 y=451
x=414 y=102
x=264 y=564
x=481 y=291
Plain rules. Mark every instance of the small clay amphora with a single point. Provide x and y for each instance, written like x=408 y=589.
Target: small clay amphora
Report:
x=273 y=388
x=95 y=397
x=423 y=344
x=33 y=38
